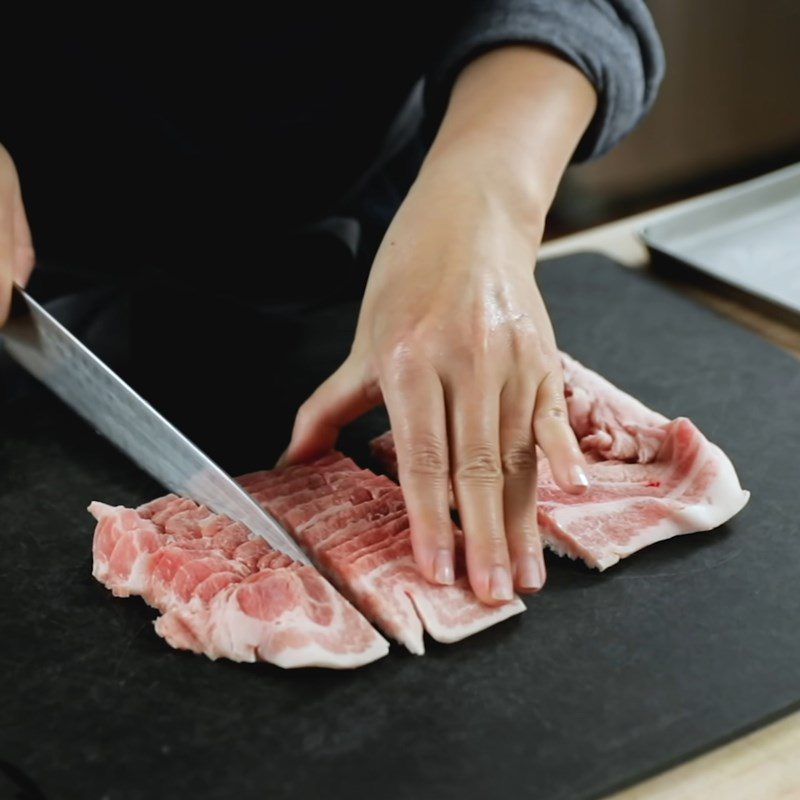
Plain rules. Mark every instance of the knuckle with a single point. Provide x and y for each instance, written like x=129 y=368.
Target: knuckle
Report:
x=552 y=412
x=473 y=364
x=524 y=343
x=426 y=456
x=405 y=342
x=479 y=464
x=554 y=378
x=466 y=348
x=400 y=360
x=519 y=458
x=400 y=352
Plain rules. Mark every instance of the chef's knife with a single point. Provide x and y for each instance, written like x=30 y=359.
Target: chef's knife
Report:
x=53 y=355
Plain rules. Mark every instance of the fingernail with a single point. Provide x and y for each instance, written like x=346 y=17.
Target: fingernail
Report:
x=443 y=567
x=501 y=588
x=578 y=475
x=530 y=572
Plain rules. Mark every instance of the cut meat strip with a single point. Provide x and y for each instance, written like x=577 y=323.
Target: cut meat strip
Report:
x=650 y=478
x=267 y=477
x=223 y=592
x=337 y=482
x=264 y=479
x=357 y=531
x=309 y=510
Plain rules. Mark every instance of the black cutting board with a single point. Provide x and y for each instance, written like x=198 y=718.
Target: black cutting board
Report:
x=606 y=679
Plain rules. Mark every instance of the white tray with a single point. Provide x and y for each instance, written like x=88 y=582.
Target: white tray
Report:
x=747 y=236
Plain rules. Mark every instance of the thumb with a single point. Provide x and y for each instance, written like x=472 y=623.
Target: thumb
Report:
x=343 y=397
x=24 y=256
x=6 y=266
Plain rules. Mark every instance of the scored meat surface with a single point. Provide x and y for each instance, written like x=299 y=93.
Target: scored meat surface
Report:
x=224 y=592
x=651 y=478
x=354 y=525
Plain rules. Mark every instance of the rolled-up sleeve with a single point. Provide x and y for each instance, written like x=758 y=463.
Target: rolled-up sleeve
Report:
x=613 y=42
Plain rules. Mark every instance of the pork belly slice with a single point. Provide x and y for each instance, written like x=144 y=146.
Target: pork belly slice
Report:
x=610 y=424
x=690 y=486
x=356 y=528
x=224 y=592
x=651 y=478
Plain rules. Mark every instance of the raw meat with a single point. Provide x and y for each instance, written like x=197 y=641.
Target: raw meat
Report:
x=651 y=478
x=609 y=424
x=354 y=524
x=224 y=592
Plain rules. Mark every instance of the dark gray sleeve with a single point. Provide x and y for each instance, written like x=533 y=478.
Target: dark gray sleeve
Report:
x=613 y=42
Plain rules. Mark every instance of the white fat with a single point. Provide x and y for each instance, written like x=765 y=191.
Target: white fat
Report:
x=222 y=629
x=312 y=655
x=404 y=624
x=420 y=614
x=225 y=631
x=448 y=633
x=723 y=499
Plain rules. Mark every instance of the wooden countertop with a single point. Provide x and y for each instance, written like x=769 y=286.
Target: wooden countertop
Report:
x=764 y=765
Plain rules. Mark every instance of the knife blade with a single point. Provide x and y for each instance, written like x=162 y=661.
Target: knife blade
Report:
x=44 y=347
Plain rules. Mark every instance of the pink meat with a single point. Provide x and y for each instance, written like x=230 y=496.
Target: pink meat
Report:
x=609 y=424
x=356 y=529
x=223 y=592
x=651 y=478
x=689 y=486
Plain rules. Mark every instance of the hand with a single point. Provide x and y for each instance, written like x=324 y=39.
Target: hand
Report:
x=16 y=248
x=454 y=337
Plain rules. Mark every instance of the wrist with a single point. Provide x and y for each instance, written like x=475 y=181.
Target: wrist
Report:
x=514 y=118
x=493 y=172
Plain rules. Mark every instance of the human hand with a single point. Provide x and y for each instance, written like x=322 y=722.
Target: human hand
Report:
x=16 y=247
x=453 y=334
x=454 y=337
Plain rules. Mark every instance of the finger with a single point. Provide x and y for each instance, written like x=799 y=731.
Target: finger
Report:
x=555 y=436
x=6 y=257
x=24 y=256
x=518 y=456
x=340 y=399
x=415 y=402
x=475 y=467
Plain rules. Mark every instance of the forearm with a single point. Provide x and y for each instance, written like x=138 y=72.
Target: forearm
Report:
x=514 y=119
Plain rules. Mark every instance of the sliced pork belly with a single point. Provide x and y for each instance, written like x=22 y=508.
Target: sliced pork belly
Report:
x=355 y=526
x=224 y=592
x=650 y=478
x=609 y=423
x=690 y=486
